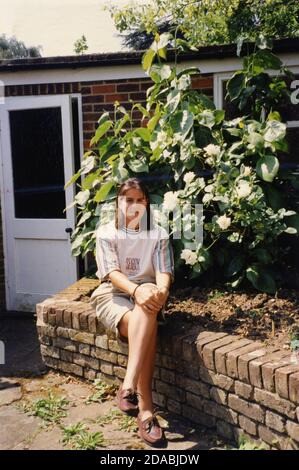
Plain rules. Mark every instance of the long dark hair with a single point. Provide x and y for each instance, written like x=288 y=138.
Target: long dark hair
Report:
x=135 y=183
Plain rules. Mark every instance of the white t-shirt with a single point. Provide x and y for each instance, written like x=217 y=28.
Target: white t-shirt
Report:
x=138 y=254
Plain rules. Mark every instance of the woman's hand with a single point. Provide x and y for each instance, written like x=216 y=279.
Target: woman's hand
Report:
x=162 y=295
x=149 y=297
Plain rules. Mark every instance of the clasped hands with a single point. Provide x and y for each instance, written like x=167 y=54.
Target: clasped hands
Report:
x=151 y=298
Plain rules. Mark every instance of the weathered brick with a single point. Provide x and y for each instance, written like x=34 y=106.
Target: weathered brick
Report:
x=255 y=373
x=101 y=341
x=63 y=332
x=194 y=400
x=86 y=361
x=64 y=343
x=50 y=351
x=70 y=368
x=205 y=338
x=219 y=411
x=198 y=416
x=244 y=390
x=233 y=358
x=294 y=387
x=251 y=410
x=84 y=349
x=108 y=356
x=89 y=374
x=194 y=386
x=225 y=430
x=273 y=401
x=218 y=395
x=244 y=360
x=248 y=425
x=219 y=380
x=119 y=371
x=117 y=346
x=106 y=367
x=170 y=391
x=159 y=399
x=221 y=353
x=275 y=421
x=282 y=379
x=273 y=438
x=168 y=376
x=268 y=372
x=66 y=356
x=293 y=430
x=189 y=351
x=82 y=337
x=208 y=351
x=174 y=406
x=122 y=360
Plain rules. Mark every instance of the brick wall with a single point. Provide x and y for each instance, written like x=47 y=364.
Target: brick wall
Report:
x=228 y=383
x=97 y=96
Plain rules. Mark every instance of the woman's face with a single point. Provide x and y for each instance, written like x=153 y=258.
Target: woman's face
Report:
x=133 y=205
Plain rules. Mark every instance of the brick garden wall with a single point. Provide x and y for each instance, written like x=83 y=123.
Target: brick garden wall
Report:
x=227 y=383
x=97 y=96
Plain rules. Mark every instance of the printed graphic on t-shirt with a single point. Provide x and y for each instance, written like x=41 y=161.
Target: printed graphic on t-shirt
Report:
x=132 y=265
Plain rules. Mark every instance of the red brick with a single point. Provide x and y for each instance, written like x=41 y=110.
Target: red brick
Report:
x=107 y=88
x=275 y=421
x=244 y=390
x=221 y=353
x=116 y=97
x=199 y=83
x=282 y=379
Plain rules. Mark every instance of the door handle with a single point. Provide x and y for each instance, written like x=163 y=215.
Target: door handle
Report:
x=69 y=230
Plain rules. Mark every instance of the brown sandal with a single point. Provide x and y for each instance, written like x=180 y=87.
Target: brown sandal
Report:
x=150 y=431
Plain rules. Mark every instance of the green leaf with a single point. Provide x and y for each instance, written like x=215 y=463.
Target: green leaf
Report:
x=103 y=191
x=82 y=197
x=275 y=130
x=261 y=279
x=173 y=100
x=235 y=85
x=235 y=265
x=147 y=59
x=267 y=59
x=101 y=130
x=267 y=168
x=159 y=72
x=144 y=133
x=181 y=123
x=138 y=166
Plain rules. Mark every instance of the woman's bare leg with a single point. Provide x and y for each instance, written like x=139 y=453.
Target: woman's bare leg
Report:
x=141 y=329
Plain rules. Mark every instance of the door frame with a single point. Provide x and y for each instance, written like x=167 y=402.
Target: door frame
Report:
x=3 y=190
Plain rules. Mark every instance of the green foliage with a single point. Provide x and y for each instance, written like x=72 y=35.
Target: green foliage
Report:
x=80 y=46
x=51 y=409
x=190 y=153
x=207 y=22
x=80 y=438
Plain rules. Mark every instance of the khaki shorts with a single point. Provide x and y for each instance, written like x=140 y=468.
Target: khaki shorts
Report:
x=111 y=304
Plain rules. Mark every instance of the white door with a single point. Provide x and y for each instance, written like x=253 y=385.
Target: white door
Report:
x=37 y=160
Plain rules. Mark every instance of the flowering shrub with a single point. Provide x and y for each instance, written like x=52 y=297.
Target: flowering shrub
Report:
x=188 y=152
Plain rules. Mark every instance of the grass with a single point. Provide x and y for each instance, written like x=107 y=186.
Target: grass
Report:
x=79 y=438
x=109 y=417
x=50 y=409
x=244 y=443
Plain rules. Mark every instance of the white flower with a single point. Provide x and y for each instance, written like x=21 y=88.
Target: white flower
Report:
x=243 y=189
x=189 y=256
x=188 y=177
x=171 y=200
x=223 y=221
x=246 y=171
x=212 y=150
